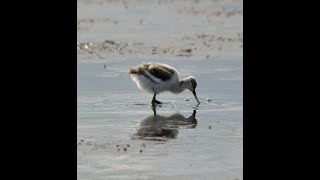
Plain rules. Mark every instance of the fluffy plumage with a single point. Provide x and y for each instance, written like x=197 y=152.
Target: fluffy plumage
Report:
x=156 y=78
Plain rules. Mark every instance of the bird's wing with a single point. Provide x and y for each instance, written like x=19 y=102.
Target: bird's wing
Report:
x=161 y=73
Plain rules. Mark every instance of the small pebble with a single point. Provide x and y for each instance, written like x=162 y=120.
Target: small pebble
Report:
x=81 y=140
x=140 y=151
x=186 y=99
x=186 y=50
x=124 y=149
x=209 y=127
x=117 y=145
x=128 y=145
x=208 y=100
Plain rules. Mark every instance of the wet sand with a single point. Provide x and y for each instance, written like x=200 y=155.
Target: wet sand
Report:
x=119 y=135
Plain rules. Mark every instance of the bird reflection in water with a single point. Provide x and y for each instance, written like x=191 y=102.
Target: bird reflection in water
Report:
x=162 y=128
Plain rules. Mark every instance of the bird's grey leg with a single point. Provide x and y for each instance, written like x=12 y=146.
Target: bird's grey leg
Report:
x=154 y=101
x=154 y=111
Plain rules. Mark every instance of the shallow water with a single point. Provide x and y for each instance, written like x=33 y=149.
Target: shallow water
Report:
x=120 y=136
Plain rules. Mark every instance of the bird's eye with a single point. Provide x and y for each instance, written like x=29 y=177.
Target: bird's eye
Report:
x=194 y=84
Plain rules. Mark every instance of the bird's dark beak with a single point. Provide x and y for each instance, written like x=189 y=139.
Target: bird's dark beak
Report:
x=195 y=95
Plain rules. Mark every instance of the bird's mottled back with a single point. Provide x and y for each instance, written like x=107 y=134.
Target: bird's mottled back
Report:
x=160 y=71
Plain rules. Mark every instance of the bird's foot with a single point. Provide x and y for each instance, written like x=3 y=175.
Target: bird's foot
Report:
x=157 y=102
x=154 y=102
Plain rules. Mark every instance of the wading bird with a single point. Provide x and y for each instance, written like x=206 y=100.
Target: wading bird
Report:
x=156 y=78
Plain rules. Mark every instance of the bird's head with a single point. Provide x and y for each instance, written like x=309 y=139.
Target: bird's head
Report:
x=191 y=84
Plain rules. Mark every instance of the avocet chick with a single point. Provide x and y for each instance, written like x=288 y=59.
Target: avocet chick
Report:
x=156 y=78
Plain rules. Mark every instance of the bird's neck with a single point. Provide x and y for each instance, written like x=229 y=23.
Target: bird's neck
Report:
x=181 y=87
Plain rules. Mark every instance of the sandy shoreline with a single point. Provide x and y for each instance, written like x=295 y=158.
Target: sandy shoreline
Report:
x=171 y=29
